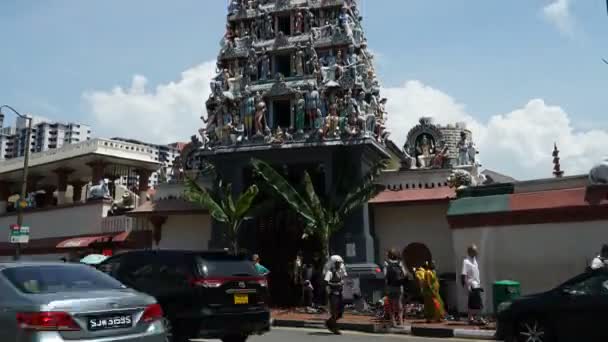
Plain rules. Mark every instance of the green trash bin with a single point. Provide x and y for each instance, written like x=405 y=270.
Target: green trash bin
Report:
x=504 y=291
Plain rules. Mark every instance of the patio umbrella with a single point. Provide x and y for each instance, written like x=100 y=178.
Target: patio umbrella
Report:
x=93 y=259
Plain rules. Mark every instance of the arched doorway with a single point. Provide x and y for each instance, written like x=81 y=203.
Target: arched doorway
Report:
x=416 y=254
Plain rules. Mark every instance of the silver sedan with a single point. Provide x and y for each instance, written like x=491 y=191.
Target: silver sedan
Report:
x=55 y=302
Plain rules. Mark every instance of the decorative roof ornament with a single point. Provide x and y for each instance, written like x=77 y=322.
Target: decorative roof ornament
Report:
x=557 y=171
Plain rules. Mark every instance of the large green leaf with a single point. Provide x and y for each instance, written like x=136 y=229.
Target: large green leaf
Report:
x=283 y=189
x=313 y=199
x=244 y=202
x=197 y=194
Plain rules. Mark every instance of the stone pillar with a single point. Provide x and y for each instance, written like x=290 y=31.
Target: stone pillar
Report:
x=144 y=177
x=97 y=171
x=62 y=184
x=77 y=186
x=5 y=193
x=355 y=241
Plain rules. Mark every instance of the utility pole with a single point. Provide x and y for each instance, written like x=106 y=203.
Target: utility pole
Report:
x=26 y=160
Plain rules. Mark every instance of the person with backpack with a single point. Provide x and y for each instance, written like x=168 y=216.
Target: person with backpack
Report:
x=395 y=276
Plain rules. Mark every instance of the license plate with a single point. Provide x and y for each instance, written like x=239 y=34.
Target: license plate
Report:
x=114 y=322
x=240 y=298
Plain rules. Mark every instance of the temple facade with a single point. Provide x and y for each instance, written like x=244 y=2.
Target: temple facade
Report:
x=296 y=87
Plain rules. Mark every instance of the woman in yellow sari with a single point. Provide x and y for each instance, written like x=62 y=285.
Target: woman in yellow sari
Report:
x=429 y=286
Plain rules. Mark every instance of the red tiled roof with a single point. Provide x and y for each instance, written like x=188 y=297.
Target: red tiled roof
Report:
x=414 y=195
x=565 y=198
x=167 y=206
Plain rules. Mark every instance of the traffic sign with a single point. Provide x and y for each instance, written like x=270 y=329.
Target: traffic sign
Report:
x=19 y=234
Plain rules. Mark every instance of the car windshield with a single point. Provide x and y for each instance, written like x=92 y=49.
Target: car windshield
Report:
x=225 y=267
x=57 y=278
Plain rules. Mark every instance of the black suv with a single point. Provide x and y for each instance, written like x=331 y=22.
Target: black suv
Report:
x=203 y=294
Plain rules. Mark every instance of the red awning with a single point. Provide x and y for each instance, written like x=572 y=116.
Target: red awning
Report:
x=84 y=241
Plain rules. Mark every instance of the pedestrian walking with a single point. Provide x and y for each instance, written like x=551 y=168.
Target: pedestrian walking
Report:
x=258 y=267
x=334 y=278
x=601 y=260
x=471 y=279
x=395 y=276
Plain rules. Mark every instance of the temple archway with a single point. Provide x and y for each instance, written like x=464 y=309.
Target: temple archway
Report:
x=416 y=254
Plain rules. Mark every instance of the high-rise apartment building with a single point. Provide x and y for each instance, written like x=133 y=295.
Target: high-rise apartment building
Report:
x=45 y=135
x=165 y=154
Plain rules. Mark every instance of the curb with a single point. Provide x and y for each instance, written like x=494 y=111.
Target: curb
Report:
x=384 y=329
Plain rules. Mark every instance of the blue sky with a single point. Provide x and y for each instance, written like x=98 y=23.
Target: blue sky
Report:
x=490 y=58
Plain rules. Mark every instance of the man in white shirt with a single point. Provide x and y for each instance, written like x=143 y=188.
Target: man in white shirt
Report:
x=471 y=279
x=600 y=260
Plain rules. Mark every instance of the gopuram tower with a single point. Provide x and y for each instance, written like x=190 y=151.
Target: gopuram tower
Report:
x=296 y=87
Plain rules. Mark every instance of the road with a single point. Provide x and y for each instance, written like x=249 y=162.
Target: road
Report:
x=312 y=335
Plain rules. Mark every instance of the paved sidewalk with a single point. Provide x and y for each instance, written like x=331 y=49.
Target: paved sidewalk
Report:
x=416 y=327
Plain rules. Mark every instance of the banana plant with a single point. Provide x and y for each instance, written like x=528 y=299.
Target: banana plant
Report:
x=222 y=205
x=323 y=218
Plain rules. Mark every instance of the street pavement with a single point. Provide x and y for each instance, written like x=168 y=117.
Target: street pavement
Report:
x=314 y=335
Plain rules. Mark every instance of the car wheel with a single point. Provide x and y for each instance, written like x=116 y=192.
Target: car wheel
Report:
x=532 y=330
x=235 y=339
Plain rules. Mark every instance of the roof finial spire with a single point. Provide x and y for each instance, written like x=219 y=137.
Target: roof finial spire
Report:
x=557 y=171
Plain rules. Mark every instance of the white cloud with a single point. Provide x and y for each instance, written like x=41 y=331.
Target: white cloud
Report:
x=170 y=112
x=558 y=13
x=518 y=143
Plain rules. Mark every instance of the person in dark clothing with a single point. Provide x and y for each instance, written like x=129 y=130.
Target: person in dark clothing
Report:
x=334 y=278
x=396 y=276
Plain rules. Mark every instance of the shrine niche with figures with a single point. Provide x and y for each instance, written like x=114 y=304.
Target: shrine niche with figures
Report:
x=432 y=146
x=293 y=71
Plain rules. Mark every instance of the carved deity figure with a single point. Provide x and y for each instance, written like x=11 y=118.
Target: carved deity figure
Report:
x=298 y=25
x=265 y=67
x=332 y=122
x=329 y=68
x=313 y=105
x=300 y=112
x=346 y=22
x=309 y=20
x=426 y=151
x=237 y=130
x=268 y=27
x=352 y=62
x=260 y=118
x=299 y=59
x=367 y=119
x=441 y=157
x=252 y=65
x=463 y=150
x=247 y=112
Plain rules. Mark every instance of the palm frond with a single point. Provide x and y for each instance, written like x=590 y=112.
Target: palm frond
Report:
x=201 y=196
x=313 y=199
x=244 y=202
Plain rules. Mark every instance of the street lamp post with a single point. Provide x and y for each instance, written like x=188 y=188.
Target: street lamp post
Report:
x=26 y=160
